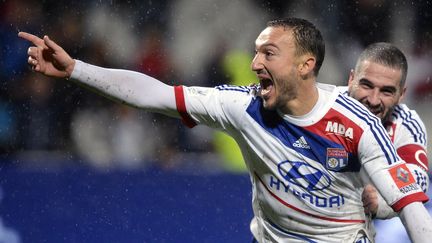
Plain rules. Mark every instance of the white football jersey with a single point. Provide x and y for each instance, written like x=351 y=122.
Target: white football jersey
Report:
x=408 y=134
x=305 y=171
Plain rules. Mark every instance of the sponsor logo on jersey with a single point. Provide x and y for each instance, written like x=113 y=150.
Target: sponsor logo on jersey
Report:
x=403 y=178
x=321 y=202
x=197 y=91
x=301 y=143
x=304 y=175
x=340 y=130
x=337 y=159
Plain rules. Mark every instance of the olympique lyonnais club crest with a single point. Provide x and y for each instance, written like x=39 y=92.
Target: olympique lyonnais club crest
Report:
x=401 y=176
x=337 y=159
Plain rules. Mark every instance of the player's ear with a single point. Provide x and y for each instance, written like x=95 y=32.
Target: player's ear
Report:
x=402 y=96
x=351 y=78
x=307 y=65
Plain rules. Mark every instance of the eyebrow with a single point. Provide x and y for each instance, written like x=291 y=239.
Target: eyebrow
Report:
x=265 y=45
x=388 y=87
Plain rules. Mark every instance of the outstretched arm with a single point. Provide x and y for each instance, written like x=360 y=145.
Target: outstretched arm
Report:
x=132 y=88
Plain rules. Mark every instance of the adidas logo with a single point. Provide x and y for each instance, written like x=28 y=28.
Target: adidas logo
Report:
x=301 y=143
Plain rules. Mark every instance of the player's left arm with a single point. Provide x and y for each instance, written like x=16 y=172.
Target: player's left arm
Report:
x=417 y=222
x=394 y=181
x=375 y=205
x=410 y=141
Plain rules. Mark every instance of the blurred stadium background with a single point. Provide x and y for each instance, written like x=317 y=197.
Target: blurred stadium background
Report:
x=76 y=167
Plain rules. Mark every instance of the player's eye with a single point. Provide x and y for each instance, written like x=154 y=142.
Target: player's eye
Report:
x=269 y=54
x=366 y=85
x=388 y=92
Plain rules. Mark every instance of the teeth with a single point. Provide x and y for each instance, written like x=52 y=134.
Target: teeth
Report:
x=265 y=91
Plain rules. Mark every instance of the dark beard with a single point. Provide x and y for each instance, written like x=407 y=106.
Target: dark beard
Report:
x=387 y=116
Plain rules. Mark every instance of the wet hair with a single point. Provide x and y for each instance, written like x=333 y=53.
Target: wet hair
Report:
x=387 y=55
x=308 y=38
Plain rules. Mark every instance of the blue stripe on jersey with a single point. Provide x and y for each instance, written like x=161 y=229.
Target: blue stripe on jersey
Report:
x=377 y=130
x=295 y=235
x=289 y=134
x=411 y=124
x=245 y=89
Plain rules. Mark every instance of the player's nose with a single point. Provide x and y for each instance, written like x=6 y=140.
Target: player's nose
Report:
x=257 y=64
x=374 y=98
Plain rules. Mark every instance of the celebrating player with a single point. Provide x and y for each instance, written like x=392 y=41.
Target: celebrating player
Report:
x=378 y=82
x=304 y=143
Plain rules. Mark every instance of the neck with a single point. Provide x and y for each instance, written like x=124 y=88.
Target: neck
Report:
x=307 y=97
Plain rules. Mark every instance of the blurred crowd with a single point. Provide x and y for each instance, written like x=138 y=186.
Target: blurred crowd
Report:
x=44 y=121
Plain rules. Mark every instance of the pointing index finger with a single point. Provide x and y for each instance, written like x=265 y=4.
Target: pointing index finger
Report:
x=32 y=38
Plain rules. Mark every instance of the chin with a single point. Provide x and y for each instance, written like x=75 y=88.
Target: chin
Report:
x=385 y=117
x=268 y=106
x=271 y=108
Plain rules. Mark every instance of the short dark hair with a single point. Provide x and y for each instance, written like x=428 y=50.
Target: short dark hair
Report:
x=308 y=38
x=386 y=54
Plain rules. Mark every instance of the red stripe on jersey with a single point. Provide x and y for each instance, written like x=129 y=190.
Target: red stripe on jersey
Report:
x=338 y=128
x=181 y=107
x=414 y=154
x=304 y=212
x=415 y=197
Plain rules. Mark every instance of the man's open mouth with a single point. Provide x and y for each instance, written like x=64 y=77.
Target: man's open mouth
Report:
x=266 y=87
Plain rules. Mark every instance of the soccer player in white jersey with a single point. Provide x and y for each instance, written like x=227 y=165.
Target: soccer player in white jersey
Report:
x=304 y=143
x=379 y=83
